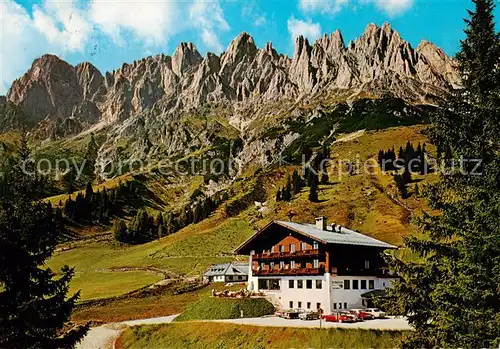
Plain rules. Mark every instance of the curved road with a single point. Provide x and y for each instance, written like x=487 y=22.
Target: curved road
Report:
x=103 y=337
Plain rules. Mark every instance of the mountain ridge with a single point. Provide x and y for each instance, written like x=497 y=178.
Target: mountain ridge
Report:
x=377 y=62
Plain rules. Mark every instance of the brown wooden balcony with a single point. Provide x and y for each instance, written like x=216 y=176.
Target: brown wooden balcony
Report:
x=281 y=255
x=289 y=272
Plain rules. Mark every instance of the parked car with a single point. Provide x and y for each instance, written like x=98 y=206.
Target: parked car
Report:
x=376 y=312
x=339 y=317
x=362 y=314
x=292 y=313
x=310 y=315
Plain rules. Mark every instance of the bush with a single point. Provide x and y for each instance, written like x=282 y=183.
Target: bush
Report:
x=213 y=308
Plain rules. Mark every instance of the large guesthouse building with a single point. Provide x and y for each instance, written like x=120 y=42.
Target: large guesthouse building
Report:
x=311 y=266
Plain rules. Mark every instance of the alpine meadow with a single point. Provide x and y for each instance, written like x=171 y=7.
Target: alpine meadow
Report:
x=302 y=186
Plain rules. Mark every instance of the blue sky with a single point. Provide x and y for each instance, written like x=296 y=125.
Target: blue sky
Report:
x=111 y=32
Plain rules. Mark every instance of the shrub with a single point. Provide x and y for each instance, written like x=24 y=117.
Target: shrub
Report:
x=213 y=308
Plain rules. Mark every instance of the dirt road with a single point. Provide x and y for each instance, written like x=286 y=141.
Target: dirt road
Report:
x=103 y=337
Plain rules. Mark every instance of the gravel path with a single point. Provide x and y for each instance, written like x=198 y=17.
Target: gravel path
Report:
x=104 y=336
x=390 y=323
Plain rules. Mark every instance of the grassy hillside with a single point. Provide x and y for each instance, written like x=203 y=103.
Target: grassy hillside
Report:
x=220 y=335
x=211 y=308
x=366 y=202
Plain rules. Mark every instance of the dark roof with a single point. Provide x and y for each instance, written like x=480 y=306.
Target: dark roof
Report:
x=227 y=269
x=339 y=236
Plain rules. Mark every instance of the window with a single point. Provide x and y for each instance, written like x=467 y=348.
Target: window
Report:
x=371 y=284
x=300 y=283
x=240 y=277
x=282 y=265
x=282 y=248
x=275 y=284
x=367 y=264
x=309 y=284
x=269 y=284
x=291 y=304
x=319 y=284
x=292 y=264
x=355 y=284
x=315 y=245
x=292 y=247
x=299 y=305
x=334 y=305
x=303 y=246
x=262 y=265
x=345 y=305
x=291 y=284
x=363 y=284
x=308 y=305
x=271 y=265
x=316 y=263
x=340 y=305
x=318 y=305
x=347 y=284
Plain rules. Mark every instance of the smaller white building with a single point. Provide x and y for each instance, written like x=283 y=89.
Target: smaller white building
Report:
x=227 y=272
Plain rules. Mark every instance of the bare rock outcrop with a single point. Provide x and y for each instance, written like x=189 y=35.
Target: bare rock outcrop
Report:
x=379 y=62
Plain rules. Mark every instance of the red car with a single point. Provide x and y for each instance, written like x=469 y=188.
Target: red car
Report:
x=363 y=315
x=340 y=317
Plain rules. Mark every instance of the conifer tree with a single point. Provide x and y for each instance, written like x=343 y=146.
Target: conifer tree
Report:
x=313 y=187
x=120 y=231
x=451 y=295
x=297 y=182
x=34 y=303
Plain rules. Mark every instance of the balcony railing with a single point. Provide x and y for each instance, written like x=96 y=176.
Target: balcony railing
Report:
x=279 y=255
x=289 y=272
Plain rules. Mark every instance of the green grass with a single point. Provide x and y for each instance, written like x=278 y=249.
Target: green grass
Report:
x=108 y=284
x=220 y=335
x=189 y=252
x=212 y=308
x=168 y=302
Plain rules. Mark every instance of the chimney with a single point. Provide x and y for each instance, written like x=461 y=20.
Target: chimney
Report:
x=321 y=223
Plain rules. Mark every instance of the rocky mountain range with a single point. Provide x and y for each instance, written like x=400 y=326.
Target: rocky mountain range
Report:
x=145 y=101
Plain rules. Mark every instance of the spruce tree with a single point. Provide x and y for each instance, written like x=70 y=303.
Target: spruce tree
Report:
x=313 y=187
x=34 y=303
x=451 y=294
x=478 y=57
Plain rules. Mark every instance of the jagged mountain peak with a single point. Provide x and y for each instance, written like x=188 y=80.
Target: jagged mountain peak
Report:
x=378 y=62
x=185 y=56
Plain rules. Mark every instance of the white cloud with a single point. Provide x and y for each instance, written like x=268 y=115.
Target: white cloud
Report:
x=64 y=27
x=208 y=18
x=56 y=28
x=309 y=30
x=323 y=6
x=150 y=21
x=63 y=24
x=394 y=7
x=260 y=21
x=390 y=7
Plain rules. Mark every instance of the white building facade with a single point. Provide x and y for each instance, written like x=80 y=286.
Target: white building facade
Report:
x=315 y=266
